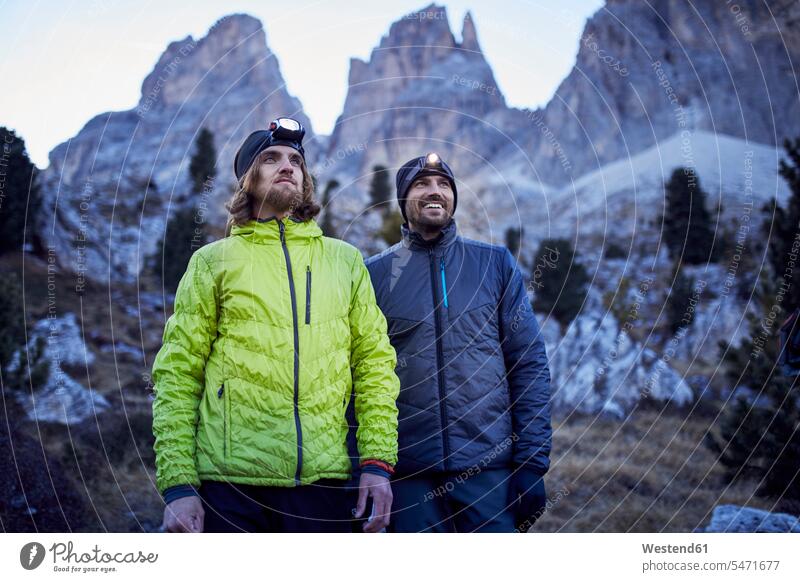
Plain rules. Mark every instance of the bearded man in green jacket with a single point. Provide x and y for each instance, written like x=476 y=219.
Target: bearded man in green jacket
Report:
x=273 y=326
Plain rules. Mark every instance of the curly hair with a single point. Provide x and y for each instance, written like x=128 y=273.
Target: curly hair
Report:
x=240 y=206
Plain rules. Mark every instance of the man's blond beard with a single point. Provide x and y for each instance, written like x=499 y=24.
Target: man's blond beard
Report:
x=280 y=201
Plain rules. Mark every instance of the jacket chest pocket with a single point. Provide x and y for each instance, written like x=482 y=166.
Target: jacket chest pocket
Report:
x=322 y=295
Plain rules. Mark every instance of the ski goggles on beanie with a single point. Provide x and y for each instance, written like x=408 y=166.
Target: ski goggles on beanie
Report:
x=282 y=131
x=428 y=165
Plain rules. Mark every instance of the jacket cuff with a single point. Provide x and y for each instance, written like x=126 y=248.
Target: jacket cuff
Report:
x=377 y=463
x=376 y=470
x=178 y=491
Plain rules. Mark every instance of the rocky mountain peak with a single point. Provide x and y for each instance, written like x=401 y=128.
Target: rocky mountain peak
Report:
x=469 y=36
x=234 y=48
x=419 y=84
x=425 y=28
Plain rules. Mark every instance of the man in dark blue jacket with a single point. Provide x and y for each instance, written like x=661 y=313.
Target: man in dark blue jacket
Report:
x=474 y=423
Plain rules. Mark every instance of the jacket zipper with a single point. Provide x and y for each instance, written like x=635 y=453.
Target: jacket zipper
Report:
x=444 y=284
x=308 y=294
x=296 y=359
x=440 y=359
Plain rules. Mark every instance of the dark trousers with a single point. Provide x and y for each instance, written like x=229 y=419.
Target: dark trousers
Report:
x=453 y=502
x=323 y=506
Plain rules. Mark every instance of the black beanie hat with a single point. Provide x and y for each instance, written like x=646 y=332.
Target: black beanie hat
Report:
x=258 y=141
x=428 y=165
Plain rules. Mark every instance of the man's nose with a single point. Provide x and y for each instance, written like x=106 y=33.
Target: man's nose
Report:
x=286 y=167
x=434 y=191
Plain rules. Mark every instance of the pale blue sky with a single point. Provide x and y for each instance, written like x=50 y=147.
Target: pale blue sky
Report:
x=65 y=61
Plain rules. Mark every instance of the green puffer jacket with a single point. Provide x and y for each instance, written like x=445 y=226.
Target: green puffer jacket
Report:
x=272 y=327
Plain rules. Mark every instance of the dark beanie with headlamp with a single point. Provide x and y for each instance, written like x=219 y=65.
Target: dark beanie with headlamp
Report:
x=282 y=131
x=428 y=165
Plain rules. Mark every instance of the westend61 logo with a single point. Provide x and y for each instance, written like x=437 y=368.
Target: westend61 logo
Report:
x=65 y=559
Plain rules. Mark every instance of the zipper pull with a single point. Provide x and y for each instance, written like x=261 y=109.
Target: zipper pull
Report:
x=444 y=283
x=280 y=227
x=221 y=390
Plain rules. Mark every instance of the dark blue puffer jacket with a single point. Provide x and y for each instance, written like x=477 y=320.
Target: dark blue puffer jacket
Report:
x=475 y=383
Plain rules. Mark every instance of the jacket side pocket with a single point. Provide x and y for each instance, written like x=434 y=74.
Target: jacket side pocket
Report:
x=224 y=394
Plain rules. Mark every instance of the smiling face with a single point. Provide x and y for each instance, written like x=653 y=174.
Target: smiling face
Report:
x=280 y=178
x=429 y=203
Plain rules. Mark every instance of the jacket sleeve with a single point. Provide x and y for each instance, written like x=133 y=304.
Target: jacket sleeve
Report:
x=527 y=371
x=178 y=375
x=372 y=362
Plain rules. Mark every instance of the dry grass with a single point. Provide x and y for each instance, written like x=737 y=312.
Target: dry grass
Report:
x=108 y=463
x=650 y=473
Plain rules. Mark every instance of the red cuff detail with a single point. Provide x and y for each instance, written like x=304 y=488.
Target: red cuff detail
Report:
x=383 y=465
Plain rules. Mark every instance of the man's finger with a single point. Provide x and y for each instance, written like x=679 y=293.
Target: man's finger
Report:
x=384 y=510
x=372 y=526
x=362 y=501
x=170 y=522
x=183 y=525
x=382 y=506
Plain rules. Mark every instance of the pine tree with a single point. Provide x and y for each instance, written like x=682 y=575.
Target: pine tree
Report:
x=32 y=367
x=183 y=235
x=614 y=250
x=616 y=300
x=380 y=188
x=186 y=231
x=758 y=435
x=687 y=226
x=380 y=191
x=679 y=300
x=203 y=166
x=328 y=229
x=785 y=224
x=390 y=231
x=559 y=280
x=514 y=240
x=19 y=192
x=12 y=318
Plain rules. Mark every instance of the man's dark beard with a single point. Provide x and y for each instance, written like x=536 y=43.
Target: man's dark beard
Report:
x=431 y=223
x=426 y=225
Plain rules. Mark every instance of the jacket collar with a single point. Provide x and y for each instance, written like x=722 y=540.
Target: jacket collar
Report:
x=268 y=230
x=415 y=242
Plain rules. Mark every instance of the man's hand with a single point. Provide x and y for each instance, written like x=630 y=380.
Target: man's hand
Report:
x=184 y=515
x=379 y=489
x=529 y=498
